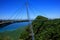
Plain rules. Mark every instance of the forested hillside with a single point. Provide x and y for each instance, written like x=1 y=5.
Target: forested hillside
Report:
x=44 y=29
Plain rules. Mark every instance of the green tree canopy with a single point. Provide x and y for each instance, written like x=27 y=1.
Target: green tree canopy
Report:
x=44 y=29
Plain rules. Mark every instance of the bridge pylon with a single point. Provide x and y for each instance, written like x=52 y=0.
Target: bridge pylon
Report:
x=32 y=34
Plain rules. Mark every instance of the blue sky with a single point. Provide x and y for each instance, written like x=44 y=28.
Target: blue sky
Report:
x=16 y=9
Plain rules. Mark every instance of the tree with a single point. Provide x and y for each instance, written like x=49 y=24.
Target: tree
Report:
x=44 y=29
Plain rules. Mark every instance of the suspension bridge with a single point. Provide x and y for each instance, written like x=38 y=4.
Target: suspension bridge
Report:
x=7 y=22
x=15 y=15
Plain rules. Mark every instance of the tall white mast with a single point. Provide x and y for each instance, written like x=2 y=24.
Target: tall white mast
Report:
x=32 y=34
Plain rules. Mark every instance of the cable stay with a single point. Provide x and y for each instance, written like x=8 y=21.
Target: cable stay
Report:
x=15 y=14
